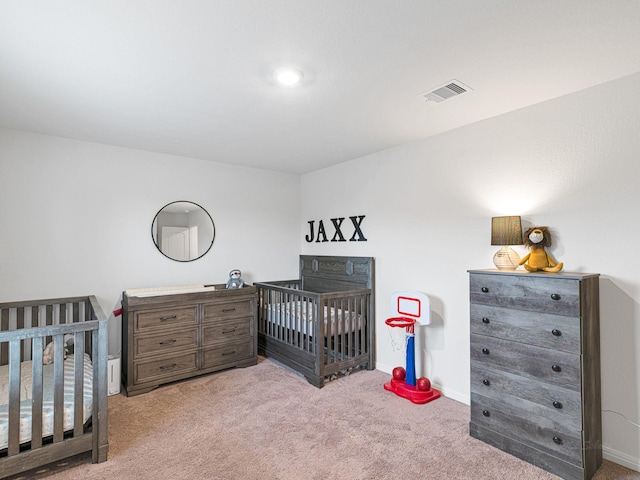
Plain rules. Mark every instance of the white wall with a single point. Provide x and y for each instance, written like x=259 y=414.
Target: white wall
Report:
x=572 y=163
x=76 y=219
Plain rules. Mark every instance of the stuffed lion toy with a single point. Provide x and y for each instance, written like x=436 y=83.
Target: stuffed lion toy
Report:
x=537 y=239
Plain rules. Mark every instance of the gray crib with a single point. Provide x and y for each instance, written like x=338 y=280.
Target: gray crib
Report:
x=56 y=410
x=321 y=325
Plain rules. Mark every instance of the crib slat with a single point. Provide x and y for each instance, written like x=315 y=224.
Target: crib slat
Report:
x=58 y=388
x=63 y=313
x=19 y=326
x=36 y=389
x=14 y=398
x=4 y=325
x=100 y=422
x=48 y=319
x=342 y=329
x=78 y=365
x=358 y=325
x=35 y=316
x=90 y=313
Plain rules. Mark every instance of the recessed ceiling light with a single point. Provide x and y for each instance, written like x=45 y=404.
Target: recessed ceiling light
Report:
x=288 y=76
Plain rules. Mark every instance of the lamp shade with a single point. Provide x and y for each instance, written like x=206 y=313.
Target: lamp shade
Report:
x=506 y=231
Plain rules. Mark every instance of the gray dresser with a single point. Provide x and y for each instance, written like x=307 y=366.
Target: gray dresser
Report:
x=172 y=337
x=535 y=368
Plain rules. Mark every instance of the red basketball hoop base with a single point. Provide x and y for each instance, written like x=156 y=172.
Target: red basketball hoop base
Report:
x=411 y=393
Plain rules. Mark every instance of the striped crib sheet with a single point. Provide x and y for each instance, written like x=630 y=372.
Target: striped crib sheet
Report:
x=48 y=387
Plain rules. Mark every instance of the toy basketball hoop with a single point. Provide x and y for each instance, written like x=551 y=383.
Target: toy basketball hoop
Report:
x=411 y=308
x=399 y=330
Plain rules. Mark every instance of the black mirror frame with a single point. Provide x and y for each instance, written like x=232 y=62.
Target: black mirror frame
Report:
x=154 y=240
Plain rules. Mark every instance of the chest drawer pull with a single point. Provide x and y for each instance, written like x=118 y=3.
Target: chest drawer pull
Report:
x=556 y=368
x=484 y=290
x=557 y=404
x=485 y=351
x=485 y=320
x=172 y=317
x=168 y=367
x=168 y=342
x=227 y=310
x=557 y=440
x=486 y=413
x=226 y=332
x=556 y=332
x=555 y=296
x=225 y=354
x=486 y=382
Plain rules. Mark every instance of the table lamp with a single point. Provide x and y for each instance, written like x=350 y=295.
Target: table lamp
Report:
x=506 y=231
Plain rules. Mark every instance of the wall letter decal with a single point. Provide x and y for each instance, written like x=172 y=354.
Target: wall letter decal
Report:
x=357 y=231
x=321 y=232
x=309 y=238
x=336 y=224
x=321 y=237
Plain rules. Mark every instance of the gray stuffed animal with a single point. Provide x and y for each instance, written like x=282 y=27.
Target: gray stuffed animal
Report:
x=235 y=279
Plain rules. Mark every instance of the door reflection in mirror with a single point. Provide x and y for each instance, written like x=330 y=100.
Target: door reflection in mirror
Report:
x=183 y=231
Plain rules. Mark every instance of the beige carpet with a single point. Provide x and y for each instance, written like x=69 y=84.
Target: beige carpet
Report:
x=265 y=422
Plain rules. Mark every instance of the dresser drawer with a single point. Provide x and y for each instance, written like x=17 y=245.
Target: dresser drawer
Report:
x=556 y=367
x=229 y=331
x=559 y=296
x=227 y=354
x=536 y=398
x=220 y=311
x=172 y=366
x=165 y=318
x=540 y=433
x=531 y=327
x=146 y=345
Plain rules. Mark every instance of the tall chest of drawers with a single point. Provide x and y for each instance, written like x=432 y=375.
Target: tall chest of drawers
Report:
x=535 y=368
x=173 y=337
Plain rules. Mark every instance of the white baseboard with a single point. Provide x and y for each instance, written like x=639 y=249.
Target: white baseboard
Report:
x=621 y=458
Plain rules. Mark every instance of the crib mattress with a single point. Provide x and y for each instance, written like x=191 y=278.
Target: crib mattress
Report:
x=298 y=316
x=47 y=408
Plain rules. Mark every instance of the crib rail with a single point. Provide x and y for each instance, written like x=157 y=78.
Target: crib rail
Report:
x=338 y=338
x=25 y=329
x=41 y=313
x=276 y=321
x=347 y=336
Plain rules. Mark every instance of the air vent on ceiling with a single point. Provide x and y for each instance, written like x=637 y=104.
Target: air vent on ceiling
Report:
x=450 y=89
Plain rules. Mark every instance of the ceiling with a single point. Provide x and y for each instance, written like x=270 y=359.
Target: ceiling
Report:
x=194 y=77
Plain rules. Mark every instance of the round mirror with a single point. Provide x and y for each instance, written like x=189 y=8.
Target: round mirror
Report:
x=183 y=231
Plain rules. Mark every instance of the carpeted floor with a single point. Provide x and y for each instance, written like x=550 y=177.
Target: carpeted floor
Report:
x=265 y=422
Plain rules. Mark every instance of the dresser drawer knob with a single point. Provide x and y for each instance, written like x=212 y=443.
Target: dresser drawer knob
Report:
x=556 y=332
x=486 y=413
x=557 y=440
x=485 y=351
x=555 y=296
x=556 y=368
x=557 y=404
x=484 y=290
x=486 y=320
x=486 y=382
